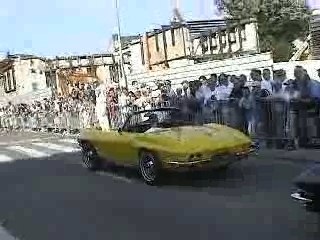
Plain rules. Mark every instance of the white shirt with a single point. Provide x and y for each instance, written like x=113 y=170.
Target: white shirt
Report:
x=266 y=85
x=186 y=93
x=222 y=92
x=230 y=86
x=206 y=93
x=123 y=100
x=199 y=94
x=140 y=102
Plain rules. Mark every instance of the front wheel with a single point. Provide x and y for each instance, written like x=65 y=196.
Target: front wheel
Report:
x=149 y=168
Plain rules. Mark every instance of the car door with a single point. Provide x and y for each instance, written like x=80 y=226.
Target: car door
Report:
x=116 y=146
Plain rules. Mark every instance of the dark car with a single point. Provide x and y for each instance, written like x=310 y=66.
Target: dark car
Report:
x=308 y=188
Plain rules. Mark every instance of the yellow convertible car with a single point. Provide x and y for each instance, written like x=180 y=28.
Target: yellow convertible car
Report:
x=163 y=139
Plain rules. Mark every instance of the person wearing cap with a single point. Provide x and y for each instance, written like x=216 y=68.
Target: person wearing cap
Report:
x=280 y=77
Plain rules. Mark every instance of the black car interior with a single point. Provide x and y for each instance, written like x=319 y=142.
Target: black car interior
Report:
x=170 y=119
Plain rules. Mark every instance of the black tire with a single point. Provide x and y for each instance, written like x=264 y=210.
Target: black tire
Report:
x=314 y=206
x=149 y=168
x=90 y=159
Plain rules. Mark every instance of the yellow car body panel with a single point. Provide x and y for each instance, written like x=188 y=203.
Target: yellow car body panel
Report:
x=173 y=146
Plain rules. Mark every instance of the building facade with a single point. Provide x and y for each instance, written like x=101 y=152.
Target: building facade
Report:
x=25 y=78
x=64 y=72
x=189 y=43
x=22 y=77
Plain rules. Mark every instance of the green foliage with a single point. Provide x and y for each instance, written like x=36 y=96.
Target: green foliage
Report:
x=279 y=23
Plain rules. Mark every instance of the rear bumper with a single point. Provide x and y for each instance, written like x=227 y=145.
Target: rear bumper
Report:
x=300 y=197
x=309 y=201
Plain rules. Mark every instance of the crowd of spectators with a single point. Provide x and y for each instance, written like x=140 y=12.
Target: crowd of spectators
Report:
x=202 y=95
x=54 y=112
x=224 y=87
x=199 y=95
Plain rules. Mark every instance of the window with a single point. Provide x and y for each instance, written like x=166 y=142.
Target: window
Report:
x=142 y=53
x=114 y=74
x=157 y=42
x=92 y=71
x=51 y=79
x=232 y=36
x=243 y=32
x=213 y=41
x=173 y=38
x=34 y=86
x=223 y=38
x=9 y=81
x=89 y=70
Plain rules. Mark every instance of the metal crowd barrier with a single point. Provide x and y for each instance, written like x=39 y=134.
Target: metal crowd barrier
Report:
x=49 y=121
x=276 y=122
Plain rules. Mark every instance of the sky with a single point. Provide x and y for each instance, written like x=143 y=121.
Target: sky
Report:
x=71 y=27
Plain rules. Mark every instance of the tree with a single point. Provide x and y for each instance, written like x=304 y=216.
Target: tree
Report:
x=279 y=23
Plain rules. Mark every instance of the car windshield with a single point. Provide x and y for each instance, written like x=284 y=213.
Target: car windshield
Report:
x=158 y=118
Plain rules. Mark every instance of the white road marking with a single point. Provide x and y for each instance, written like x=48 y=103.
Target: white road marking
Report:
x=69 y=140
x=21 y=141
x=5 y=235
x=114 y=176
x=5 y=158
x=28 y=151
x=57 y=147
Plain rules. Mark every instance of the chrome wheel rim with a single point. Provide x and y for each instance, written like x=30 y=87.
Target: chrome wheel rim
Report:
x=87 y=159
x=148 y=168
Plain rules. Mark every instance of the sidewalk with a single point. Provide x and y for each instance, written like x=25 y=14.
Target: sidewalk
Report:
x=312 y=155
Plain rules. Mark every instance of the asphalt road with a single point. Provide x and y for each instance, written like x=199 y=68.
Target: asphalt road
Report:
x=54 y=197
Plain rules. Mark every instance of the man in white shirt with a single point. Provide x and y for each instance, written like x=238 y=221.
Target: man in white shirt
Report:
x=267 y=82
x=223 y=90
x=101 y=108
x=204 y=93
x=185 y=89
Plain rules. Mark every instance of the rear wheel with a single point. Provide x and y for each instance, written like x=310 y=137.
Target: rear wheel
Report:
x=149 y=168
x=90 y=158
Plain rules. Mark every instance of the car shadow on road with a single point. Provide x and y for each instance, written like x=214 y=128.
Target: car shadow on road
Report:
x=232 y=177
x=236 y=176
x=71 y=163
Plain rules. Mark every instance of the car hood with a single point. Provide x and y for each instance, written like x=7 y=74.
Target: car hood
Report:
x=202 y=138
